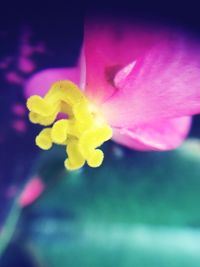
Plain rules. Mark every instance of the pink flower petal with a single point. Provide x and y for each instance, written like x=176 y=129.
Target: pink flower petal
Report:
x=110 y=45
x=41 y=82
x=163 y=84
x=162 y=135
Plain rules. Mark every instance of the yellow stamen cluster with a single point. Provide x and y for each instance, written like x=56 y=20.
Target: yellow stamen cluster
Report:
x=82 y=132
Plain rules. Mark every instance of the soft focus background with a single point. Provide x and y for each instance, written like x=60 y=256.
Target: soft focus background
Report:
x=138 y=209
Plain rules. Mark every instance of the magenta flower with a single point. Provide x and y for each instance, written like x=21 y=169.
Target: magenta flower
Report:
x=145 y=82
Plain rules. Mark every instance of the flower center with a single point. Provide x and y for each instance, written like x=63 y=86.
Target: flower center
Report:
x=82 y=132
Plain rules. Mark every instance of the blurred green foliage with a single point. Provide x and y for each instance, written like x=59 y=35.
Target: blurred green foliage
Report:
x=130 y=187
x=138 y=209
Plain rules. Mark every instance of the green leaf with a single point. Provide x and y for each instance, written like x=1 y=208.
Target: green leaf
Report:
x=137 y=209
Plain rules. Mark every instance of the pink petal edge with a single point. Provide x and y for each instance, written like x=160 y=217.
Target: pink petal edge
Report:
x=163 y=135
x=40 y=83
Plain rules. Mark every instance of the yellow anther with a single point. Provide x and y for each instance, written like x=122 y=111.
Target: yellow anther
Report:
x=66 y=109
x=40 y=106
x=65 y=91
x=36 y=118
x=96 y=158
x=81 y=111
x=83 y=130
x=94 y=138
x=43 y=140
x=75 y=159
x=59 y=131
